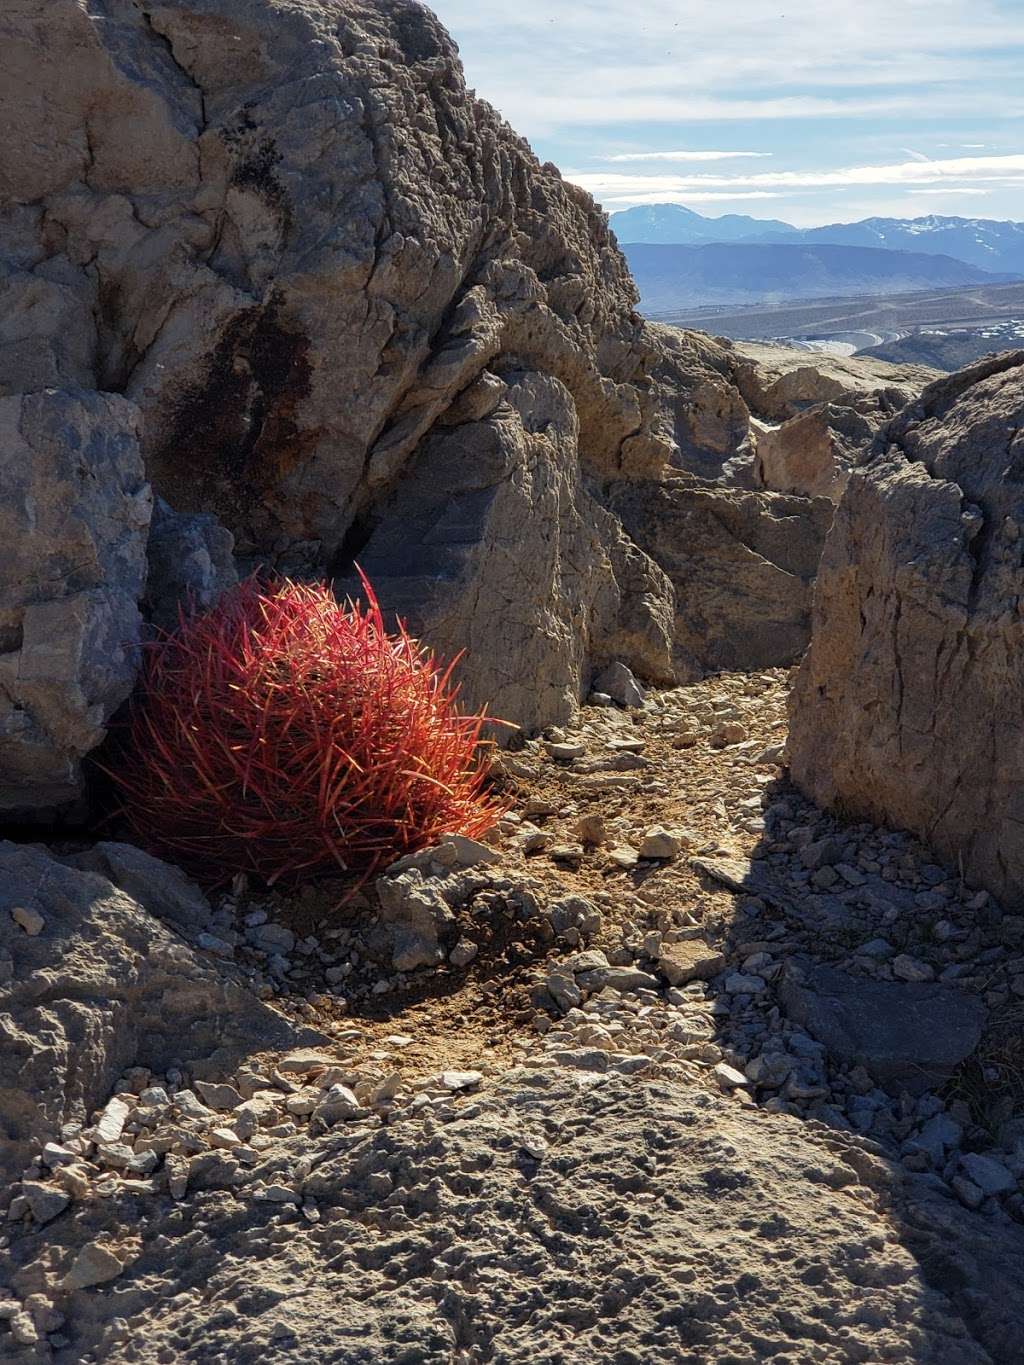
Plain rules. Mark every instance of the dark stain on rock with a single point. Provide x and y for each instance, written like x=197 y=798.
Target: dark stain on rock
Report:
x=255 y=171
x=235 y=434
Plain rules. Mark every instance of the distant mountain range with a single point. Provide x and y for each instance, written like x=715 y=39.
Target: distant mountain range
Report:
x=981 y=242
x=674 y=277
x=754 y=260
x=672 y=225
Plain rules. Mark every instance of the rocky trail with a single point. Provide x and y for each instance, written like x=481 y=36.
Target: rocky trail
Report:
x=611 y=1108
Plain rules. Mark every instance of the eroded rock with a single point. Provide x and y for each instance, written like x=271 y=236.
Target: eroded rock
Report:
x=74 y=514
x=742 y=564
x=907 y=707
x=103 y=987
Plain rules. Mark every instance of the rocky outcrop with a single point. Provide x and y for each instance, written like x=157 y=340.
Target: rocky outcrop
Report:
x=91 y=984
x=779 y=381
x=907 y=709
x=492 y=543
x=312 y=260
x=815 y=416
x=590 y=1217
x=344 y=241
x=742 y=564
x=74 y=512
x=813 y=453
x=700 y=411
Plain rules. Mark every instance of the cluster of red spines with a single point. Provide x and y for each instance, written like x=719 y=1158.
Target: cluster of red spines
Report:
x=284 y=735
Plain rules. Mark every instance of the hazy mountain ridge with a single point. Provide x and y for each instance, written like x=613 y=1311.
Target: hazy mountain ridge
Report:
x=674 y=276
x=987 y=243
x=674 y=225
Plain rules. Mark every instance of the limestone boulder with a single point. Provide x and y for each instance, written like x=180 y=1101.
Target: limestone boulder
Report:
x=492 y=543
x=308 y=255
x=74 y=515
x=308 y=239
x=813 y=453
x=779 y=381
x=908 y=705
x=742 y=564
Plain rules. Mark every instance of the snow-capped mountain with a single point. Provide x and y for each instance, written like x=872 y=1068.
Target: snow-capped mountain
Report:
x=983 y=242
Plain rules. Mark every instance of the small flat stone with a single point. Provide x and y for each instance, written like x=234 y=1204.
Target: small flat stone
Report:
x=689 y=961
x=582 y=1059
x=564 y=750
x=630 y=1065
x=189 y=1104
x=276 y=1194
x=302 y=1063
x=110 y=1124
x=625 y=979
x=463 y=953
x=28 y=919
x=990 y=1175
x=219 y=1096
x=618 y=682
x=660 y=843
x=45 y=1202
x=226 y=1138
x=470 y=852
x=744 y=983
x=460 y=1080
x=271 y=938
x=623 y=856
x=729 y=1078
x=94 y=1264
x=909 y=968
x=967 y=1192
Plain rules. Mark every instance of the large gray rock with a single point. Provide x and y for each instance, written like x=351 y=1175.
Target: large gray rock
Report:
x=908 y=705
x=493 y=544
x=909 y=1035
x=291 y=236
x=742 y=564
x=558 y=1217
x=90 y=984
x=346 y=239
x=74 y=513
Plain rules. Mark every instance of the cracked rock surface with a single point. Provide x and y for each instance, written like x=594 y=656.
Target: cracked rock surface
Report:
x=907 y=708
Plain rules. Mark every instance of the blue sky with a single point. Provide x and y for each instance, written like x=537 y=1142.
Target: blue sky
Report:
x=808 y=111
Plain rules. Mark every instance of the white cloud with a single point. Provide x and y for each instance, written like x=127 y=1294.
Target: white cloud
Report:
x=695 y=197
x=682 y=156
x=598 y=61
x=1000 y=169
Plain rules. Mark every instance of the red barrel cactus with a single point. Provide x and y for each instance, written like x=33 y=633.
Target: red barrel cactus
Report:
x=286 y=735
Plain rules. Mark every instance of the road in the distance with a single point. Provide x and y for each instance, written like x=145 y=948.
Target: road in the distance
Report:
x=876 y=317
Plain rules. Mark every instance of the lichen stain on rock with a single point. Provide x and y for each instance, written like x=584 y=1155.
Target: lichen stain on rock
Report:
x=255 y=172
x=235 y=435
